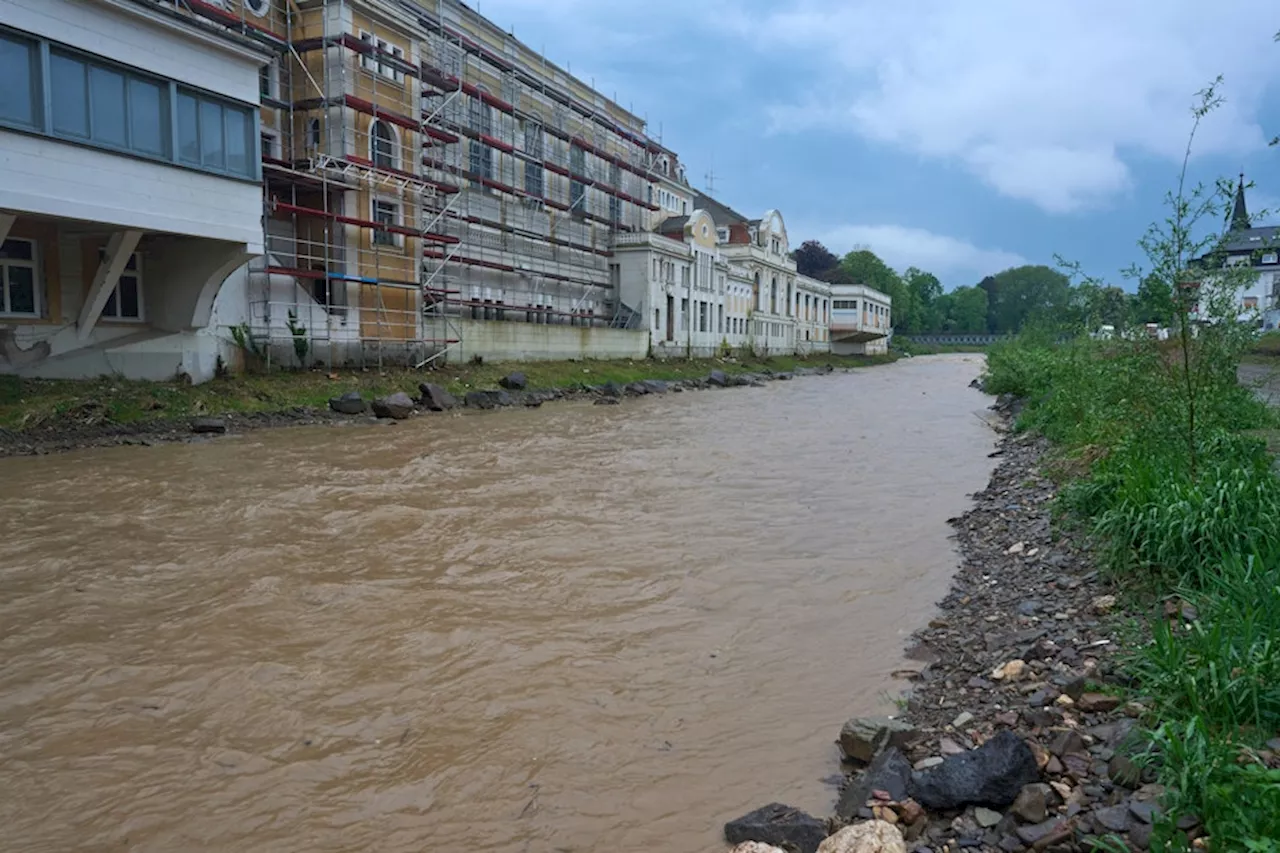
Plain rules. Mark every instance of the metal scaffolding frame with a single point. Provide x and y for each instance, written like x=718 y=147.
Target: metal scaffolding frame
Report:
x=416 y=176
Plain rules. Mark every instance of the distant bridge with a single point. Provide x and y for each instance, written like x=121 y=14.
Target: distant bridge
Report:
x=952 y=340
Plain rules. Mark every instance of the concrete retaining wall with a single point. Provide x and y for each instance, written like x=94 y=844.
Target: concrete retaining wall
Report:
x=495 y=340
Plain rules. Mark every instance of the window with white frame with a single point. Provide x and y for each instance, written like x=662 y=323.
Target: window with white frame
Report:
x=19 y=278
x=125 y=301
x=386 y=212
x=382 y=145
x=1269 y=258
x=377 y=62
x=270 y=144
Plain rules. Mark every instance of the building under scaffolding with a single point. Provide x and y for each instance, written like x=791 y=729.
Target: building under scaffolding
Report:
x=422 y=168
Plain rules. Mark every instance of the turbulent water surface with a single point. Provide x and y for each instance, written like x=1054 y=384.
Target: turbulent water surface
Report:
x=567 y=629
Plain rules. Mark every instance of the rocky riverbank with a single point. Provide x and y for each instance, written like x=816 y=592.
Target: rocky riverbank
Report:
x=88 y=425
x=1014 y=736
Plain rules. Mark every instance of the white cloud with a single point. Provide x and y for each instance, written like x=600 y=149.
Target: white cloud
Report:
x=1042 y=101
x=952 y=260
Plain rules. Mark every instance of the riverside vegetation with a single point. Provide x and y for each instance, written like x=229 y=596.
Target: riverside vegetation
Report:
x=1163 y=462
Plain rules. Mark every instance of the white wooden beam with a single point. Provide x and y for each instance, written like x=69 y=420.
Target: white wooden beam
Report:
x=119 y=249
x=6 y=223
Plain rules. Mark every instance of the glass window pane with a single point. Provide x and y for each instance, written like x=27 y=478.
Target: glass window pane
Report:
x=212 y=152
x=237 y=141
x=22 y=290
x=188 y=129
x=18 y=250
x=128 y=291
x=70 y=96
x=147 y=118
x=106 y=105
x=17 y=92
x=111 y=309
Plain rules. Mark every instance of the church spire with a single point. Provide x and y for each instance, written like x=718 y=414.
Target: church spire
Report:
x=1240 y=213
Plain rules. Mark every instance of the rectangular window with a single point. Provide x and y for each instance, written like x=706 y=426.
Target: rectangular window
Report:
x=70 y=87
x=148 y=119
x=188 y=129
x=212 y=136
x=107 y=107
x=534 y=179
x=125 y=301
x=19 y=294
x=386 y=213
x=374 y=60
x=578 y=196
x=237 y=125
x=103 y=104
x=19 y=92
x=481 y=157
x=265 y=89
x=615 y=209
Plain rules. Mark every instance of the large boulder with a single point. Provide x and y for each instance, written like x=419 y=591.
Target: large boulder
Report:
x=514 y=381
x=397 y=406
x=718 y=378
x=435 y=398
x=779 y=825
x=655 y=386
x=991 y=775
x=862 y=738
x=873 y=836
x=889 y=772
x=611 y=389
x=488 y=399
x=350 y=403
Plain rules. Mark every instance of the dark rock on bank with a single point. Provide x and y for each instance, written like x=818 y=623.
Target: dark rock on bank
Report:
x=350 y=403
x=718 y=379
x=488 y=399
x=514 y=381
x=779 y=825
x=890 y=773
x=397 y=406
x=991 y=775
x=436 y=399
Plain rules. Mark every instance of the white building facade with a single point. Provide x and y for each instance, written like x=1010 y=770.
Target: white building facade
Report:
x=129 y=143
x=861 y=320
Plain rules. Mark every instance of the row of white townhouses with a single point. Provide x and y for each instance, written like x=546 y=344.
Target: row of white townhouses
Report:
x=355 y=182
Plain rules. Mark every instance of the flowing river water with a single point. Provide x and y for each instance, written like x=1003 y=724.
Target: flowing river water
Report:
x=574 y=628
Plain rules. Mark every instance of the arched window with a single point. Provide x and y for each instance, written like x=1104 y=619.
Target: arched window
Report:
x=773 y=296
x=755 y=293
x=382 y=145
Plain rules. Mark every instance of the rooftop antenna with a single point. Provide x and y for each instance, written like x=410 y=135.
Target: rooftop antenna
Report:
x=711 y=182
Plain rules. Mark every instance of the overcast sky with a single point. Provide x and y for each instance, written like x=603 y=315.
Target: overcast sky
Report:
x=959 y=137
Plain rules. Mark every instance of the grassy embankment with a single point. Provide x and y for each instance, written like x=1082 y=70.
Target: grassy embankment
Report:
x=1184 y=503
x=31 y=403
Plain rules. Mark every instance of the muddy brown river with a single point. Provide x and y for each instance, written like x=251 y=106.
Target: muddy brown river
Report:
x=576 y=628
